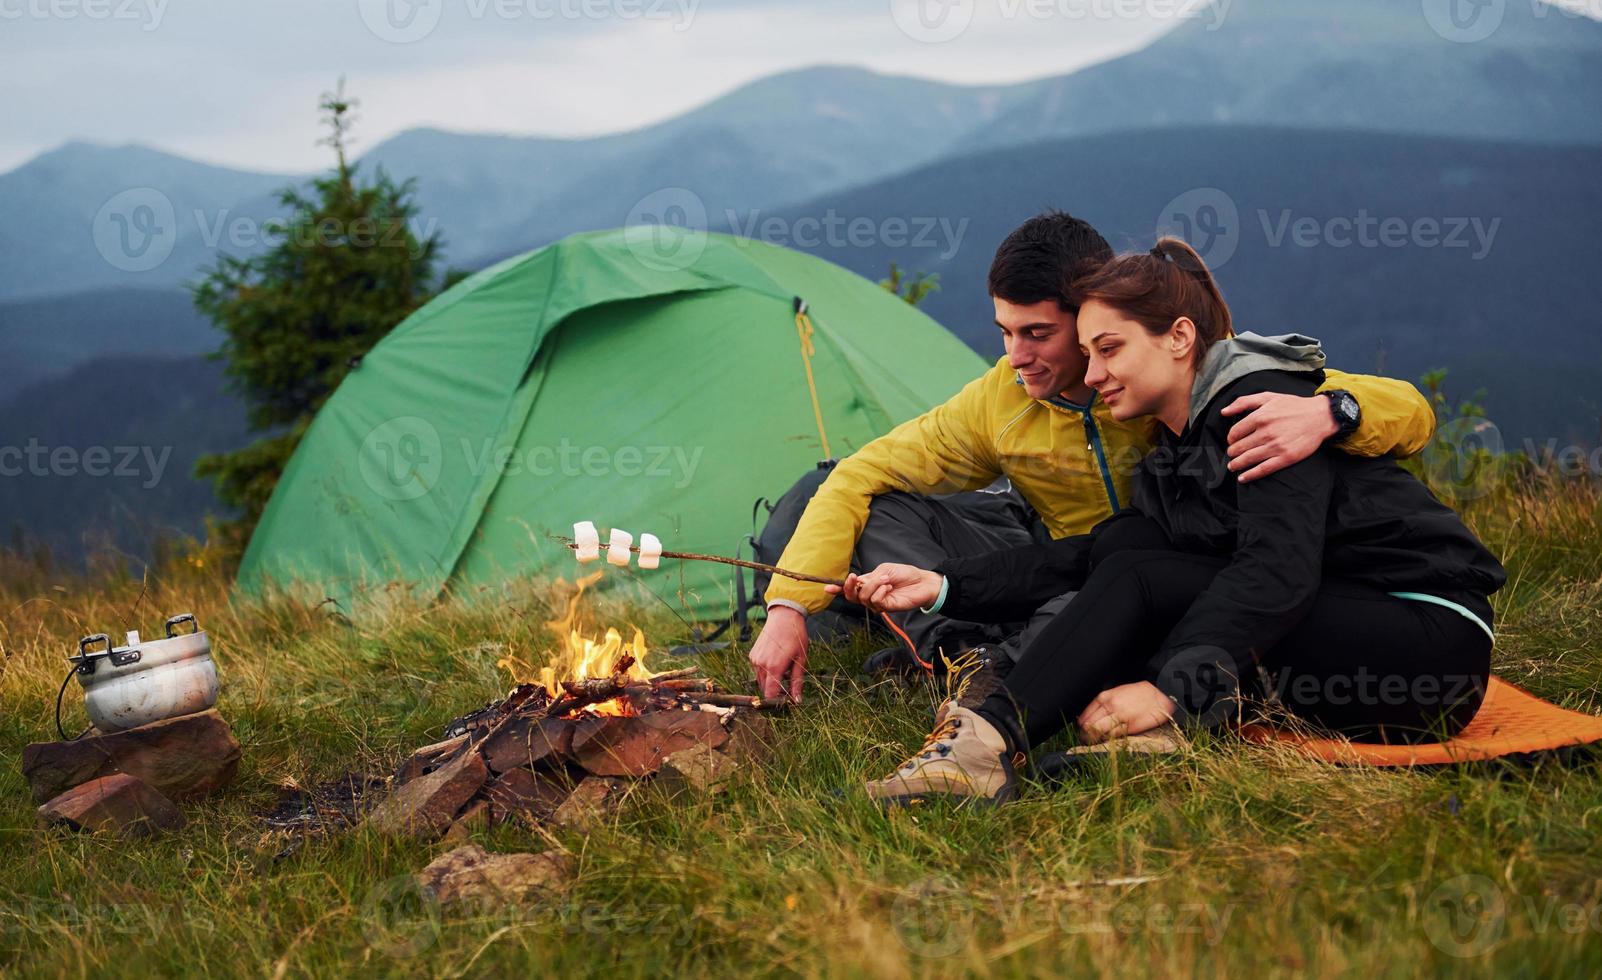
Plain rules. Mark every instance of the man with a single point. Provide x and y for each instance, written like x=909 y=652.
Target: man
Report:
x=1032 y=420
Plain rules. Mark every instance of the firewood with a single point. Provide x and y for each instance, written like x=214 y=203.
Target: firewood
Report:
x=592 y=690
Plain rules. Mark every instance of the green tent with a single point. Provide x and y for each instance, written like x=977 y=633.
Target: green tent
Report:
x=644 y=378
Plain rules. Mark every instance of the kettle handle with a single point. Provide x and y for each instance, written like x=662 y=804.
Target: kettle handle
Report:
x=179 y=620
x=84 y=644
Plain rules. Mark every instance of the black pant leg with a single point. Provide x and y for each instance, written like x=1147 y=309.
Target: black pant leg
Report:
x=1104 y=637
x=1132 y=533
x=1373 y=667
x=925 y=531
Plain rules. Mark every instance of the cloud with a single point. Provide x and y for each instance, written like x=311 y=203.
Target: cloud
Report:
x=237 y=82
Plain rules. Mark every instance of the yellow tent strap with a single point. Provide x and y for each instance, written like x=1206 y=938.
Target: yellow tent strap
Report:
x=803 y=327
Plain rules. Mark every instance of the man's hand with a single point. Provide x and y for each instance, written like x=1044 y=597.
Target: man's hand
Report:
x=1278 y=431
x=891 y=588
x=1127 y=709
x=780 y=650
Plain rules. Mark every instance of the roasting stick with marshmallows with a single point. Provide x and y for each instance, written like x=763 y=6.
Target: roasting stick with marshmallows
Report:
x=586 y=544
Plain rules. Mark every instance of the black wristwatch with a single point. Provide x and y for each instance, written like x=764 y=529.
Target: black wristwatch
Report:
x=1348 y=414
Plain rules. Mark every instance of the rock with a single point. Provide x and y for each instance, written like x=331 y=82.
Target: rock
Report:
x=593 y=800
x=750 y=738
x=524 y=791
x=473 y=819
x=118 y=803
x=471 y=873
x=180 y=758
x=636 y=745
x=699 y=769
x=429 y=758
x=529 y=742
x=427 y=806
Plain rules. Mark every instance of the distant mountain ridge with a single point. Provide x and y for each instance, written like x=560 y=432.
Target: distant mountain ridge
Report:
x=1483 y=266
x=1357 y=64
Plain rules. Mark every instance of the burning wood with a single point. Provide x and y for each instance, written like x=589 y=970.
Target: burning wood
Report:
x=594 y=712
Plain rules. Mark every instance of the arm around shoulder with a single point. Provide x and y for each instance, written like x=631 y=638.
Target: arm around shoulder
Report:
x=1397 y=420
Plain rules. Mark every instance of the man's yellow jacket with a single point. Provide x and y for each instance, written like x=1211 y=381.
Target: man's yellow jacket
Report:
x=1073 y=463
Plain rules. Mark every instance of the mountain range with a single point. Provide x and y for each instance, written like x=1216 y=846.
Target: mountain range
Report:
x=1375 y=65
x=1272 y=129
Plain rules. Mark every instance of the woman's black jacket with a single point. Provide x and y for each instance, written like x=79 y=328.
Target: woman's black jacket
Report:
x=1332 y=515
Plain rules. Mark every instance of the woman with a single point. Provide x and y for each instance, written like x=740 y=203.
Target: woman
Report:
x=1339 y=588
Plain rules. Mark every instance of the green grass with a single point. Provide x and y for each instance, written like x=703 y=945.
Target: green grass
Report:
x=1236 y=860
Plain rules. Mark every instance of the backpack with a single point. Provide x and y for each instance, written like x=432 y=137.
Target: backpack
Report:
x=779 y=522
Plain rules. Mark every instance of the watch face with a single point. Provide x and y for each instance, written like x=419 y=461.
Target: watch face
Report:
x=1347 y=406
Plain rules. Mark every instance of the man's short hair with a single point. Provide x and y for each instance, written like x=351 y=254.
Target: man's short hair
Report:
x=1043 y=255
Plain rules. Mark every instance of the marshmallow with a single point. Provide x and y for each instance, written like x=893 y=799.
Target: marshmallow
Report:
x=617 y=548
x=588 y=540
x=650 y=551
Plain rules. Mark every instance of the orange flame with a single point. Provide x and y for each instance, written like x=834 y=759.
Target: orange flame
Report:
x=581 y=657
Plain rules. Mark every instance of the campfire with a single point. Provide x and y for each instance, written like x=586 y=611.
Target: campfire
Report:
x=567 y=740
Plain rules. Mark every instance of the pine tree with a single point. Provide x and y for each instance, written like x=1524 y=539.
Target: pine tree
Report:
x=344 y=270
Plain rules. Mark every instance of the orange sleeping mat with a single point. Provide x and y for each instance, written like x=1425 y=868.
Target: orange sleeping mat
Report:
x=1511 y=721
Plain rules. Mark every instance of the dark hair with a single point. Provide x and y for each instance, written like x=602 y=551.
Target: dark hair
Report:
x=1042 y=255
x=1158 y=287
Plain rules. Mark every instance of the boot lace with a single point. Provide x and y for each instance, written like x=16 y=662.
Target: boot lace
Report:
x=932 y=746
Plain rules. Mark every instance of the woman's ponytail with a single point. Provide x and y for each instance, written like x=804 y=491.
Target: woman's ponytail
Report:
x=1156 y=288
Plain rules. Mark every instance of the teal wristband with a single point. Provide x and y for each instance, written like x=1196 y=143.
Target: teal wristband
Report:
x=940 y=600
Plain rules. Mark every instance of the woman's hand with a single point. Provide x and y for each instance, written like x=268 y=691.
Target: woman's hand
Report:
x=891 y=588
x=1127 y=709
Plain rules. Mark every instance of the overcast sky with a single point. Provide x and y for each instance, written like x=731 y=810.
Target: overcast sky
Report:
x=236 y=81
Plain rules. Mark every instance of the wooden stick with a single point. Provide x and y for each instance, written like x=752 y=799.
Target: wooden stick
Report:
x=732 y=700
x=691 y=556
x=673 y=675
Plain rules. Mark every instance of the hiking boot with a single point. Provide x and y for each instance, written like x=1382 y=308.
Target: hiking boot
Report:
x=893 y=662
x=964 y=757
